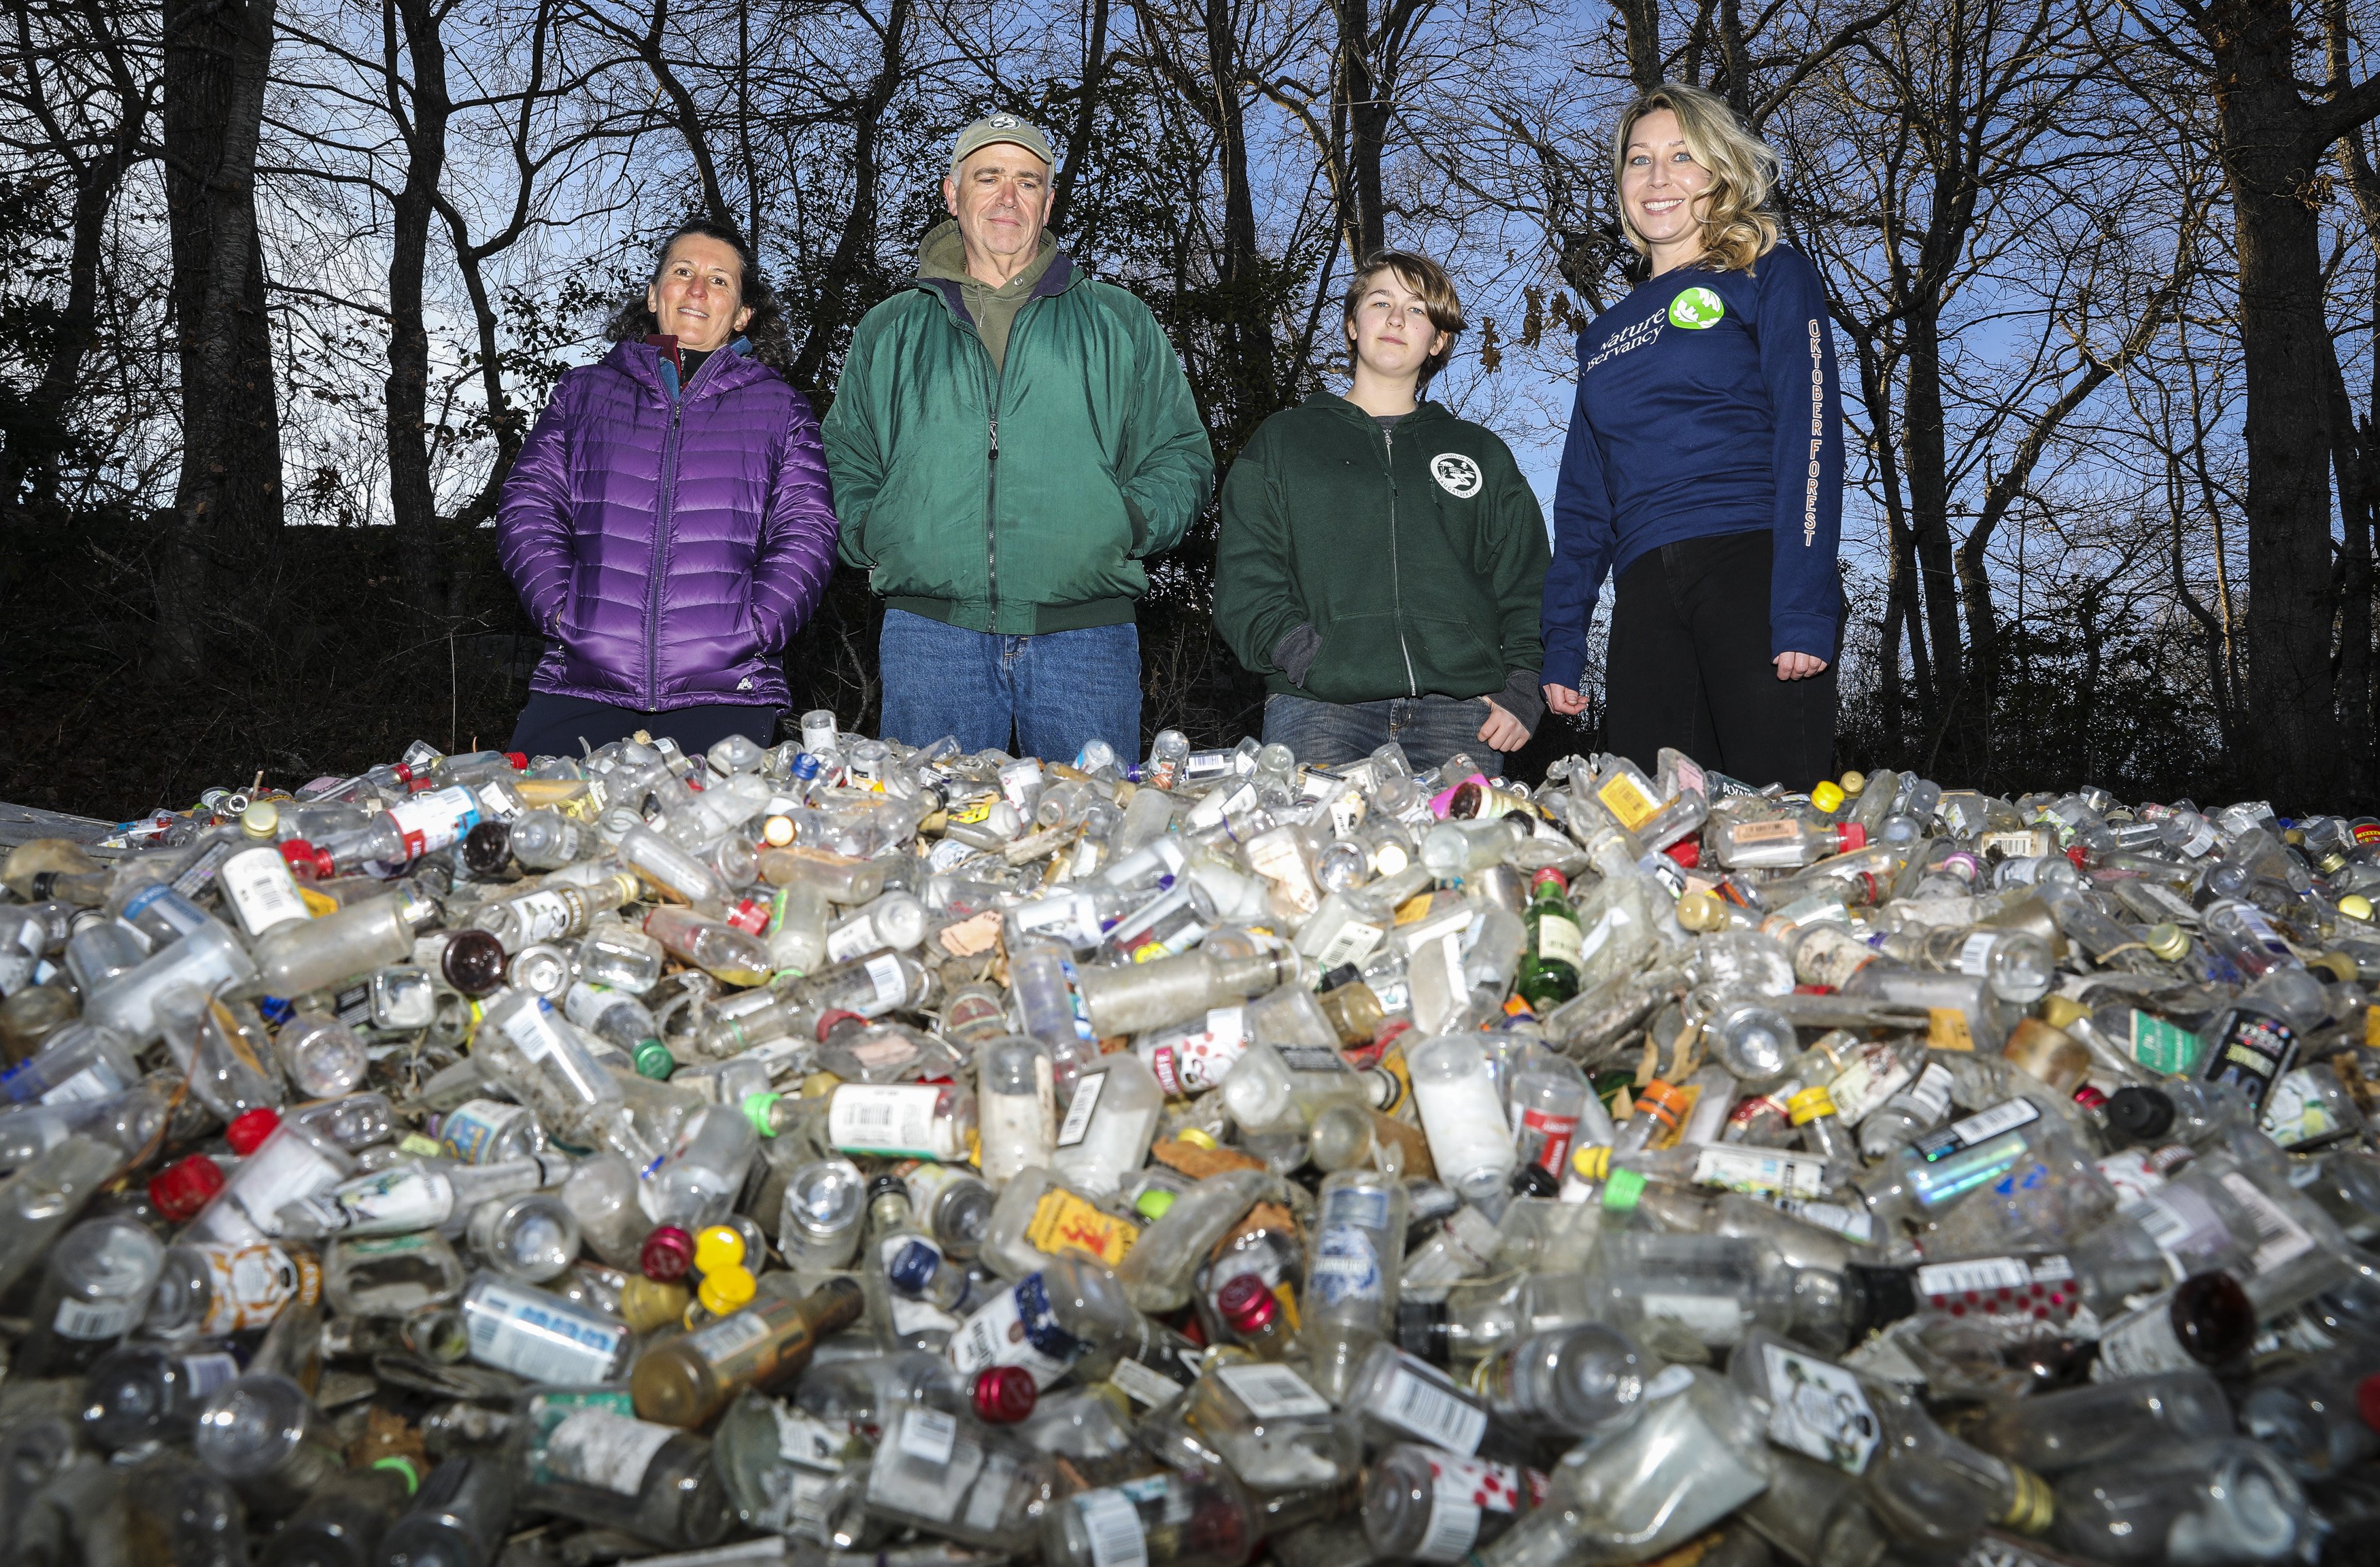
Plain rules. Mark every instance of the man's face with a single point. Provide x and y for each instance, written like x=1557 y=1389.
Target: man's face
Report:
x=1001 y=197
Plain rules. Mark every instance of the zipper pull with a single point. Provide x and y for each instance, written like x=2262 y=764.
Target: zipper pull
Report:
x=995 y=439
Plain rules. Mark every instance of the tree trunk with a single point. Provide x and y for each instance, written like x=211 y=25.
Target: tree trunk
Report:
x=1924 y=453
x=229 y=494
x=1642 y=19
x=1247 y=320
x=1368 y=127
x=410 y=30
x=1078 y=146
x=840 y=305
x=2272 y=145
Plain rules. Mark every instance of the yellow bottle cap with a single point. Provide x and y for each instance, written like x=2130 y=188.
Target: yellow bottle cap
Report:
x=260 y=820
x=1196 y=1140
x=1591 y=1164
x=1700 y=911
x=2167 y=942
x=727 y=1289
x=1827 y=797
x=1810 y=1104
x=2062 y=1011
x=718 y=1248
x=2355 y=906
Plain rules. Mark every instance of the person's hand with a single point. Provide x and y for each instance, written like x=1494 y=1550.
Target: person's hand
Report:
x=1503 y=732
x=1799 y=666
x=1564 y=701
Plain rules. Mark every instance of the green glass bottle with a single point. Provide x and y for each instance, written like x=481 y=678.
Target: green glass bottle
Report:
x=1549 y=968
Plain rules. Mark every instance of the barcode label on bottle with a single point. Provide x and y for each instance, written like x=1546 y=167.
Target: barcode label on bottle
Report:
x=92 y=1318
x=885 y=973
x=928 y=1435
x=533 y=1031
x=1078 y=1113
x=205 y=1373
x=849 y=940
x=1311 y=1058
x=1975 y=953
x=1982 y=1273
x=1272 y=1393
x=2179 y=1220
x=1461 y=1490
x=730 y=1336
x=2278 y=1237
x=1353 y=943
x=1746 y=1169
x=1420 y=1406
x=1113 y=1524
x=1977 y=1128
x=1141 y=1384
x=1848 y=1219
x=94 y=1081
x=261 y=892
x=895 y=1120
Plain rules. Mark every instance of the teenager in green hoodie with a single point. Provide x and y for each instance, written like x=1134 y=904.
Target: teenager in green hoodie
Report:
x=1382 y=562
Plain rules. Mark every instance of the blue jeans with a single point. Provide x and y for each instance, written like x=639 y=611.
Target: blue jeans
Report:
x=1057 y=690
x=1431 y=728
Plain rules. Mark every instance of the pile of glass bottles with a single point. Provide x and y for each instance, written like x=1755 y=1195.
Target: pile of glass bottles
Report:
x=855 y=1151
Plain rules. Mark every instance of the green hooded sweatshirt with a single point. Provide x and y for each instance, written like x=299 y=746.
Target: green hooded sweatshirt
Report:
x=1357 y=564
x=1015 y=493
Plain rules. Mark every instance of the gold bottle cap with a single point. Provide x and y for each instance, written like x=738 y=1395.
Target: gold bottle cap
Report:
x=260 y=820
x=2167 y=942
x=2062 y=1011
x=646 y=1304
x=2355 y=906
x=1854 y=784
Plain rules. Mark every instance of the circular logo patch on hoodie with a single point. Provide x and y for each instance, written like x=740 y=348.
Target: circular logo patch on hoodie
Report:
x=1456 y=474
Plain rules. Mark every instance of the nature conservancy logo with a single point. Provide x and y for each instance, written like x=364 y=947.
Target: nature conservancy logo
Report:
x=1695 y=308
x=1456 y=474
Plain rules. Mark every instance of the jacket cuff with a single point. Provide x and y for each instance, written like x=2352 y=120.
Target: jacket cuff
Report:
x=1811 y=634
x=1522 y=697
x=1293 y=654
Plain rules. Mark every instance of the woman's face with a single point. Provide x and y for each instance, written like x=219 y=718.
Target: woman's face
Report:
x=1665 y=193
x=699 y=295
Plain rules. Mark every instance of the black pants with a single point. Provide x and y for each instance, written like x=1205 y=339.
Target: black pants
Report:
x=1689 y=666
x=552 y=727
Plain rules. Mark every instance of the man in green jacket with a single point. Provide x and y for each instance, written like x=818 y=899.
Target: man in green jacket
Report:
x=1010 y=440
x=1382 y=562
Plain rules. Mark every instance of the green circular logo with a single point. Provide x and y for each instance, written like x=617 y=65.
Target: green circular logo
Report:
x=1695 y=308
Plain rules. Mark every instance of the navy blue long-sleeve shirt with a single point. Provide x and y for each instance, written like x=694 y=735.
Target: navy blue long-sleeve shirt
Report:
x=1707 y=404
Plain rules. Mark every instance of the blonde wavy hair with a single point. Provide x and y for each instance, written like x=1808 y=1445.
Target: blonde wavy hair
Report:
x=1741 y=227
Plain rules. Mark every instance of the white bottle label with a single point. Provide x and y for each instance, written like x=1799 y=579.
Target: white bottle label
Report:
x=1975 y=953
x=730 y=1336
x=1353 y=943
x=537 y=1338
x=1272 y=1393
x=2280 y=1237
x=533 y=1031
x=927 y=1434
x=1014 y=1328
x=1717 y=1321
x=1113 y=1524
x=1558 y=940
x=1819 y=1409
x=1078 y=1113
x=1742 y=1169
x=205 y=1373
x=851 y=938
x=610 y=1451
x=885 y=974
x=1421 y=1406
x=1461 y=1490
x=895 y=1120
x=94 y=1081
x=435 y=820
x=546 y=914
x=261 y=890
x=1346 y=1266
x=93 y=1318
x=1141 y=1384
x=2141 y=1343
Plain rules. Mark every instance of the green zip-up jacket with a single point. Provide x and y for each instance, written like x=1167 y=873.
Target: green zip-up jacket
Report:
x=1019 y=499
x=1418 y=555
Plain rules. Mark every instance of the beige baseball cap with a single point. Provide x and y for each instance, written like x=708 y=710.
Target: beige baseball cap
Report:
x=994 y=128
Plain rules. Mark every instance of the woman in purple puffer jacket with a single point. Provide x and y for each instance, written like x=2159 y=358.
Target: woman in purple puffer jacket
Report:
x=668 y=523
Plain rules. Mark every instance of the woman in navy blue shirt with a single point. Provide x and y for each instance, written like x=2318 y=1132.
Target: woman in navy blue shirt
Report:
x=1704 y=468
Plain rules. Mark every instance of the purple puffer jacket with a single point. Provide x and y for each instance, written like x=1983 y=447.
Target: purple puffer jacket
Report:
x=670 y=547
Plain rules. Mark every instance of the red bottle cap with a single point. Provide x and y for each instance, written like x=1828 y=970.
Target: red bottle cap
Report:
x=404 y=773
x=751 y=915
x=668 y=1253
x=1549 y=874
x=2367 y=1401
x=179 y=1190
x=518 y=760
x=838 y=1019
x=307 y=862
x=1005 y=1394
x=252 y=1129
x=1851 y=836
x=2088 y=1097
x=419 y=785
x=1246 y=1305
x=1687 y=852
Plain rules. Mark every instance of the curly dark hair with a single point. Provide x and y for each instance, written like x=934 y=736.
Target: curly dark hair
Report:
x=765 y=331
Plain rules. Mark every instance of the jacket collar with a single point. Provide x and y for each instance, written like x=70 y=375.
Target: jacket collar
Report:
x=936 y=276
x=646 y=360
x=1332 y=404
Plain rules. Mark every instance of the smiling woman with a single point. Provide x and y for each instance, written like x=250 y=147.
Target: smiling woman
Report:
x=1704 y=468
x=668 y=522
